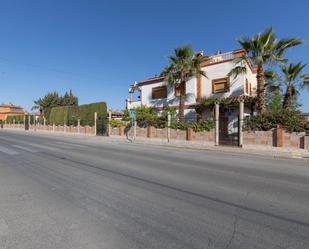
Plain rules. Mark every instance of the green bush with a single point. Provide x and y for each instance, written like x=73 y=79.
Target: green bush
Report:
x=17 y=119
x=146 y=116
x=117 y=123
x=291 y=121
x=203 y=125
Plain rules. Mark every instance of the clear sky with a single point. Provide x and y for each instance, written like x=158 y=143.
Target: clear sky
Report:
x=97 y=48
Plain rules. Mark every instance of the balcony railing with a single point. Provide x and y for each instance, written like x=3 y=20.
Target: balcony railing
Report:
x=133 y=104
x=220 y=57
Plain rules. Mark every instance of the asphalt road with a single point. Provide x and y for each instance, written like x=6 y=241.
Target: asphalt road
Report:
x=82 y=193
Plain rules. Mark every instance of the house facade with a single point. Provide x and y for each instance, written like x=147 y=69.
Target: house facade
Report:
x=10 y=110
x=156 y=93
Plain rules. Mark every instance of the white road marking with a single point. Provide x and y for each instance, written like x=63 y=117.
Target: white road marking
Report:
x=43 y=146
x=25 y=148
x=70 y=144
x=8 y=151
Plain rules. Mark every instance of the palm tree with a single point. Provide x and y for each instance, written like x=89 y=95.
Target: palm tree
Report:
x=182 y=66
x=294 y=80
x=260 y=50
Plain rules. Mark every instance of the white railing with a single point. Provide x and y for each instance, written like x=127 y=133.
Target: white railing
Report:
x=221 y=57
x=133 y=104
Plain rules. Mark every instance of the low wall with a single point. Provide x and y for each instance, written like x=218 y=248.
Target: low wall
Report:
x=292 y=140
x=251 y=138
x=87 y=130
x=175 y=134
x=265 y=138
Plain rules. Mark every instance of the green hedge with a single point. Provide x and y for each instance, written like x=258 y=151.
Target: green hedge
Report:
x=62 y=115
x=17 y=118
x=69 y=115
x=86 y=112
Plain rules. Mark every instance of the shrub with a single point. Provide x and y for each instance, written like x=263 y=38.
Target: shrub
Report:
x=291 y=121
x=203 y=125
x=146 y=116
x=117 y=123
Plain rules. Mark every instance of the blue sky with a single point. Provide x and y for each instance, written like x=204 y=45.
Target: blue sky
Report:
x=97 y=48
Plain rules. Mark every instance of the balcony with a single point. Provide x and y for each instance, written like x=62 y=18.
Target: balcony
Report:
x=220 y=57
x=133 y=104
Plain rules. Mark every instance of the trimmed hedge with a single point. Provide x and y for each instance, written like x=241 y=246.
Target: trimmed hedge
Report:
x=61 y=115
x=69 y=115
x=86 y=112
x=17 y=118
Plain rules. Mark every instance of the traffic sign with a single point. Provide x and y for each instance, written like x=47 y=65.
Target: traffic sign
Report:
x=133 y=114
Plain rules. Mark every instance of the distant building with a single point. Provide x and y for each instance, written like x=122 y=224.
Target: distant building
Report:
x=10 y=110
x=306 y=115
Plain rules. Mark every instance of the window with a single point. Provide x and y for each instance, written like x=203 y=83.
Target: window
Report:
x=159 y=92
x=221 y=85
x=247 y=86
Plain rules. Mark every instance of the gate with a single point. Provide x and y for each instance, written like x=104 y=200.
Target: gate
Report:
x=228 y=129
x=102 y=125
x=27 y=122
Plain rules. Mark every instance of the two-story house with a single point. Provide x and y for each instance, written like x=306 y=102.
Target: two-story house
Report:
x=156 y=93
x=10 y=110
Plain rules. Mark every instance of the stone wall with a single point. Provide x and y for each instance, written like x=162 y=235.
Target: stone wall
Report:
x=292 y=140
x=175 y=134
x=258 y=138
x=87 y=130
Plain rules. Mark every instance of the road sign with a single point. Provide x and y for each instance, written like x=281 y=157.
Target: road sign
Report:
x=132 y=114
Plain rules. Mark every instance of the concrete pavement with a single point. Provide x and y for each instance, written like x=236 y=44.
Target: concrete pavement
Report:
x=63 y=192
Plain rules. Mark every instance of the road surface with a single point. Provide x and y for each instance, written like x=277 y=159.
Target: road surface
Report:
x=82 y=193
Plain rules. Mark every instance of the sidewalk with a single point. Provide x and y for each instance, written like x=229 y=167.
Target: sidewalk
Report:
x=252 y=150
x=193 y=145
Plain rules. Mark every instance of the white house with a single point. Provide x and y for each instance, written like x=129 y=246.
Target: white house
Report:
x=156 y=93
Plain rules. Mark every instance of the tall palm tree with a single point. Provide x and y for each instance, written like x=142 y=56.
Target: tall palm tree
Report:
x=294 y=80
x=182 y=66
x=260 y=50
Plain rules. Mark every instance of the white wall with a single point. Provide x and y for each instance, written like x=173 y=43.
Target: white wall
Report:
x=218 y=71
x=171 y=100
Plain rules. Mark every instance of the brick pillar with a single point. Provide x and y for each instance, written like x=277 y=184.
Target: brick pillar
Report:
x=217 y=124
x=149 y=131
x=121 y=131
x=306 y=142
x=241 y=123
x=279 y=135
x=189 y=133
x=109 y=123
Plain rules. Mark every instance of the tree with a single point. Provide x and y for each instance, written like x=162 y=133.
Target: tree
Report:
x=69 y=99
x=45 y=103
x=294 y=81
x=260 y=50
x=53 y=99
x=182 y=66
